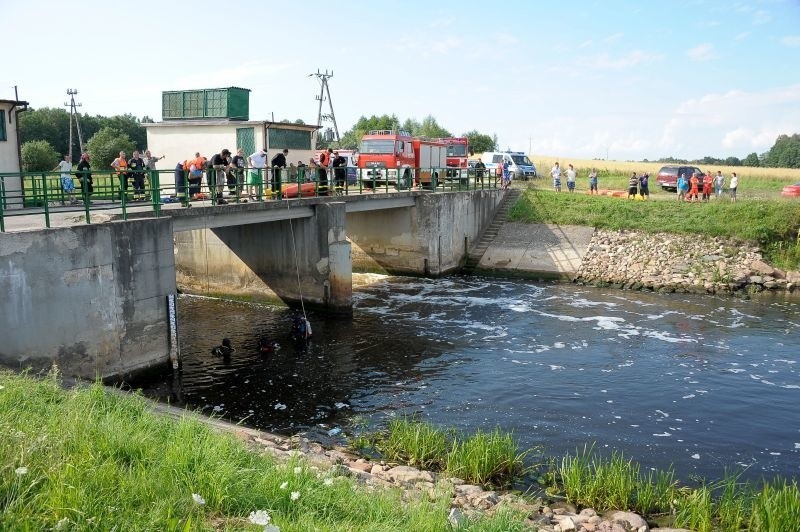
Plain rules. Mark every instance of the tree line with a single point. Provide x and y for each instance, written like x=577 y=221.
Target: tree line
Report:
x=44 y=134
x=785 y=153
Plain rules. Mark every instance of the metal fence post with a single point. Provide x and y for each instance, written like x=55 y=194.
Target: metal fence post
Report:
x=46 y=203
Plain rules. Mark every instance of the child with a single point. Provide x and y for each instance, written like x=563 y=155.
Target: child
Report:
x=633 y=186
x=593 y=181
x=682 y=186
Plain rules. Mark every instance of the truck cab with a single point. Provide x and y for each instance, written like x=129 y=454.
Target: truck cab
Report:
x=386 y=157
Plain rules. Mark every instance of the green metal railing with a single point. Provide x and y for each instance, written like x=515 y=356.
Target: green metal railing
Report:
x=41 y=193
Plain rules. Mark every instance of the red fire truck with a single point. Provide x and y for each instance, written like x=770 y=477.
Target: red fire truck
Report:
x=457 y=150
x=393 y=157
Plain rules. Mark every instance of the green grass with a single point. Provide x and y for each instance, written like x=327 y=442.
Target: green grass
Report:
x=613 y=483
x=486 y=458
x=90 y=459
x=773 y=224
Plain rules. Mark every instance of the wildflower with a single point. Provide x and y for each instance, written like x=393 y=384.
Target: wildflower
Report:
x=295 y=495
x=21 y=470
x=284 y=485
x=259 y=517
x=328 y=481
x=62 y=523
x=198 y=499
x=298 y=470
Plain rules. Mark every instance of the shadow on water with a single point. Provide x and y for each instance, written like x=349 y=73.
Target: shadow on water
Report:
x=703 y=383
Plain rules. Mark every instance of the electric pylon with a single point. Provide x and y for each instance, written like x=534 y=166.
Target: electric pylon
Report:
x=324 y=90
x=73 y=115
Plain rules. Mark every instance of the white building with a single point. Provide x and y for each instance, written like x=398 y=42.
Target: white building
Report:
x=179 y=140
x=10 y=157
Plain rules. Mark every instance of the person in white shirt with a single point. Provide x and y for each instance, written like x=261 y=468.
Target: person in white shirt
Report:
x=67 y=184
x=719 y=183
x=733 y=186
x=258 y=162
x=571 y=174
x=555 y=172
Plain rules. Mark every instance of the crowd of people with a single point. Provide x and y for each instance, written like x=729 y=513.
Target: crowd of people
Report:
x=694 y=189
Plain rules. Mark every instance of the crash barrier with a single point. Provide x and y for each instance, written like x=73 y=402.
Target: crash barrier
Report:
x=46 y=193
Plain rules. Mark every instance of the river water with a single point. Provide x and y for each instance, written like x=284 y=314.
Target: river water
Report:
x=700 y=382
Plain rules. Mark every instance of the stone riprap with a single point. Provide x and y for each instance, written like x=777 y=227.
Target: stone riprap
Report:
x=679 y=263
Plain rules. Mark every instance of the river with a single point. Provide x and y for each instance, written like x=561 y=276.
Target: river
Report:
x=700 y=382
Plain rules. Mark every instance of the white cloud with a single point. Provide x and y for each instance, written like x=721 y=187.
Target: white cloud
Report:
x=701 y=52
x=761 y=17
x=791 y=40
x=612 y=38
x=443 y=46
x=742 y=35
x=605 y=61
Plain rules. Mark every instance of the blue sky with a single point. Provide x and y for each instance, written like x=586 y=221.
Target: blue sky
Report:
x=582 y=79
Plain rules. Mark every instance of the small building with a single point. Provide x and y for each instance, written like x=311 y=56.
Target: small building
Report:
x=10 y=155
x=209 y=120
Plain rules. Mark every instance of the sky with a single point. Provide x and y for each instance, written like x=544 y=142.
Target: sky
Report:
x=623 y=80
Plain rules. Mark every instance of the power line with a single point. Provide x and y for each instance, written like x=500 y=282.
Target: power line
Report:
x=73 y=115
x=324 y=89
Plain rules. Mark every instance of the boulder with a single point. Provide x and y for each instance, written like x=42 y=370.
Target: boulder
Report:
x=761 y=267
x=408 y=475
x=635 y=521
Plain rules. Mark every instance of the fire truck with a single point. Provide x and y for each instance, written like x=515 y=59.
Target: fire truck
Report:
x=393 y=157
x=457 y=150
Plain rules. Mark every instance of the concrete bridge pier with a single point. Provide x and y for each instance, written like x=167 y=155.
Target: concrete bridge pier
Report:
x=304 y=255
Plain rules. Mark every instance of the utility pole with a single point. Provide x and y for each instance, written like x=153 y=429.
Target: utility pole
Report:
x=324 y=89
x=73 y=114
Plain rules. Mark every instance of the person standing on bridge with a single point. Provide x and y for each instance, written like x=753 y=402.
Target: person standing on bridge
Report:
x=258 y=162
x=67 y=185
x=324 y=161
x=84 y=173
x=278 y=164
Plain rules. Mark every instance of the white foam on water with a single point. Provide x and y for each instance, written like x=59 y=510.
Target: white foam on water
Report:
x=559 y=345
x=690 y=396
x=663 y=414
x=696 y=456
x=790 y=386
x=785 y=360
x=663 y=435
x=736 y=370
x=554 y=367
x=775 y=454
x=797 y=445
x=666 y=337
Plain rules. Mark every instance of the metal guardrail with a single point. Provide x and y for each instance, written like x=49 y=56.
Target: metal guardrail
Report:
x=42 y=193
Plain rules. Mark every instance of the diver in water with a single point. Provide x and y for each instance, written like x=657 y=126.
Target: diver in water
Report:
x=266 y=346
x=225 y=350
x=301 y=328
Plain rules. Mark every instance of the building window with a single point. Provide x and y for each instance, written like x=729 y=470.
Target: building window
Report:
x=294 y=139
x=3 y=125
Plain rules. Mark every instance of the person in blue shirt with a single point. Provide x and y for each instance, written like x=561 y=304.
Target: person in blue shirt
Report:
x=506 y=175
x=683 y=187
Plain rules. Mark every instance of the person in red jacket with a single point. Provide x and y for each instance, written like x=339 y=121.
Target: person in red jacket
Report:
x=694 y=182
x=708 y=183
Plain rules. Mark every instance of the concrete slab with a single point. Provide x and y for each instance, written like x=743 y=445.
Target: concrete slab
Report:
x=545 y=250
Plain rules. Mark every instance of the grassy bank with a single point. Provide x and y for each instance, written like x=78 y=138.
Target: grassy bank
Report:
x=773 y=224
x=487 y=458
x=588 y=479
x=88 y=459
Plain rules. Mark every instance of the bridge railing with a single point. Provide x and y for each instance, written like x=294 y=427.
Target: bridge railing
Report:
x=52 y=193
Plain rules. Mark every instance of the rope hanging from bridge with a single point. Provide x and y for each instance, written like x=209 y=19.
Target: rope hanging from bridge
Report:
x=296 y=263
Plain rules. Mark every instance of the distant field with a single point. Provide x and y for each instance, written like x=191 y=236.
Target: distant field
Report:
x=617 y=172
x=614 y=174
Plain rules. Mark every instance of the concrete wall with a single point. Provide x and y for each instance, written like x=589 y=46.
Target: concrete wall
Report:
x=257 y=260
x=92 y=299
x=431 y=238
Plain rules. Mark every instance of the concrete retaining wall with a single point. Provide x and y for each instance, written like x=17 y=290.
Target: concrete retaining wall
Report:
x=431 y=238
x=257 y=261
x=92 y=299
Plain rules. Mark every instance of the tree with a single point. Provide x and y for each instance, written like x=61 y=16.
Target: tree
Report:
x=48 y=124
x=430 y=128
x=128 y=125
x=733 y=161
x=105 y=145
x=785 y=153
x=38 y=156
x=751 y=160
x=479 y=142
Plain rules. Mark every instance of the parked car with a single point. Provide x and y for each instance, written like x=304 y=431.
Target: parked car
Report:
x=668 y=175
x=519 y=165
x=791 y=191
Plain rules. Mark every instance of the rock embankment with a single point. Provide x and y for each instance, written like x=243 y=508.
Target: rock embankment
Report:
x=467 y=501
x=678 y=263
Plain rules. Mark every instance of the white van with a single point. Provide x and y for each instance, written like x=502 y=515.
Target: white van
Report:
x=519 y=165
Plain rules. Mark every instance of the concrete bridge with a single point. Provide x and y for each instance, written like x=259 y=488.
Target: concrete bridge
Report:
x=96 y=298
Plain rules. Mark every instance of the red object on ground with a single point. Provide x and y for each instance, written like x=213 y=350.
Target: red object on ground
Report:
x=791 y=191
x=306 y=190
